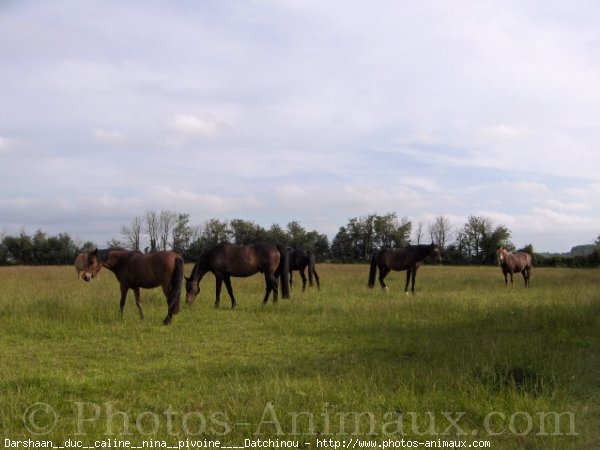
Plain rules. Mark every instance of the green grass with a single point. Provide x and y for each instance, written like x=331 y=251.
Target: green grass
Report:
x=493 y=359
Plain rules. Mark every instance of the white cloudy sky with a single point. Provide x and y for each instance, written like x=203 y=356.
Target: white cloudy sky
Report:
x=314 y=111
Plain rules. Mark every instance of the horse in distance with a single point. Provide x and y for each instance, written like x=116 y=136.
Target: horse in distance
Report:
x=135 y=270
x=511 y=263
x=301 y=259
x=227 y=260
x=406 y=258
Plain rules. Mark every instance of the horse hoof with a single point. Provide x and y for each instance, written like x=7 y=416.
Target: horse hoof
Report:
x=167 y=321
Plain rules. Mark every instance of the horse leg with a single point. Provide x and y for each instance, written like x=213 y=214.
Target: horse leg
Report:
x=511 y=280
x=166 y=288
x=525 y=276
x=124 y=290
x=316 y=275
x=269 y=288
x=230 y=290
x=383 y=272
x=408 y=273
x=303 y=276
x=505 y=278
x=291 y=272
x=218 y=286
x=414 y=275
x=138 y=302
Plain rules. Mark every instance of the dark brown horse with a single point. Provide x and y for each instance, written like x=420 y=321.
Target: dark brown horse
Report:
x=231 y=260
x=514 y=263
x=135 y=270
x=300 y=259
x=407 y=258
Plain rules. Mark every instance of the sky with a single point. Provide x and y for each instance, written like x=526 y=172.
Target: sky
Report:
x=314 y=111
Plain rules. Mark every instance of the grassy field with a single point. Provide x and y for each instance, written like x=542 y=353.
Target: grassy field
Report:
x=463 y=360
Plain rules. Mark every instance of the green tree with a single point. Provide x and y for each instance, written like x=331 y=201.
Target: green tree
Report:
x=182 y=233
x=246 y=232
x=479 y=239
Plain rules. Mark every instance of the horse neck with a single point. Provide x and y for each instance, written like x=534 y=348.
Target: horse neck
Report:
x=510 y=259
x=423 y=251
x=199 y=270
x=108 y=258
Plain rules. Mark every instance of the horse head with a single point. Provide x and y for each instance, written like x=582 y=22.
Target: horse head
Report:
x=192 y=289
x=435 y=253
x=91 y=266
x=501 y=252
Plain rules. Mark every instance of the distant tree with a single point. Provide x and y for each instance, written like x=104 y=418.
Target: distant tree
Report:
x=132 y=233
x=182 y=233
x=527 y=249
x=246 y=232
x=439 y=231
x=419 y=232
x=39 y=249
x=479 y=239
x=342 y=246
x=19 y=249
x=215 y=231
x=87 y=246
x=152 y=229
x=362 y=235
x=166 y=223
x=296 y=234
x=277 y=235
x=319 y=244
x=115 y=243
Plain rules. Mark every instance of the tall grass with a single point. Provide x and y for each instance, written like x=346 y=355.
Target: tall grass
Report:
x=496 y=360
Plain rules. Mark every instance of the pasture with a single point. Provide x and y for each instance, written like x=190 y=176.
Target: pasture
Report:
x=465 y=359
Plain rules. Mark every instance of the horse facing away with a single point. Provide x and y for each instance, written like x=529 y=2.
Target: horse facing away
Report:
x=407 y=258
x=514 y=262
x=232 y=260
x=300 y=259
x=135 y=270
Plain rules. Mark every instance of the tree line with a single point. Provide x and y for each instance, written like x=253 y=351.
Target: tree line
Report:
x=474 y=243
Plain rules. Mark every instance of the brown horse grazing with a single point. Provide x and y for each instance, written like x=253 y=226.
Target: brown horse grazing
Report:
x=300 y=259
x=513 y=263
x=231 y=260
x=407 y=258
x=80 y=264
x=135 y=270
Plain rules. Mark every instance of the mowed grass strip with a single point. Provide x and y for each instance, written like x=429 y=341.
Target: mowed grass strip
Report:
x=307 y=367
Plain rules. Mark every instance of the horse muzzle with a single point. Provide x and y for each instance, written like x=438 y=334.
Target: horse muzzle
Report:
x=87 y=276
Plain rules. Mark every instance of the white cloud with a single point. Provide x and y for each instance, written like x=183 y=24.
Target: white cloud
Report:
x=420 y=108
x=111 y=137
x=191 y=125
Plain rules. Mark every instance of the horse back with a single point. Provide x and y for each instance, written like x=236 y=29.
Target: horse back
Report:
x=139 y=270
x=396 y=258
x=517 y=262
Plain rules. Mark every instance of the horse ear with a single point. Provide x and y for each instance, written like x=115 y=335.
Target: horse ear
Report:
x=95 y=252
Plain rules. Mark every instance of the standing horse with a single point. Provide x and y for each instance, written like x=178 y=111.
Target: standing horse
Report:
x=300 y=259
x=513 y=263
x=80 y=264
x=135 y=270
x=407 y=258
x=231 y=260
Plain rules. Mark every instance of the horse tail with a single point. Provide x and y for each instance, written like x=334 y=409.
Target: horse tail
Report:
x=373 y=271
x=283 y=271
x=174 y=299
